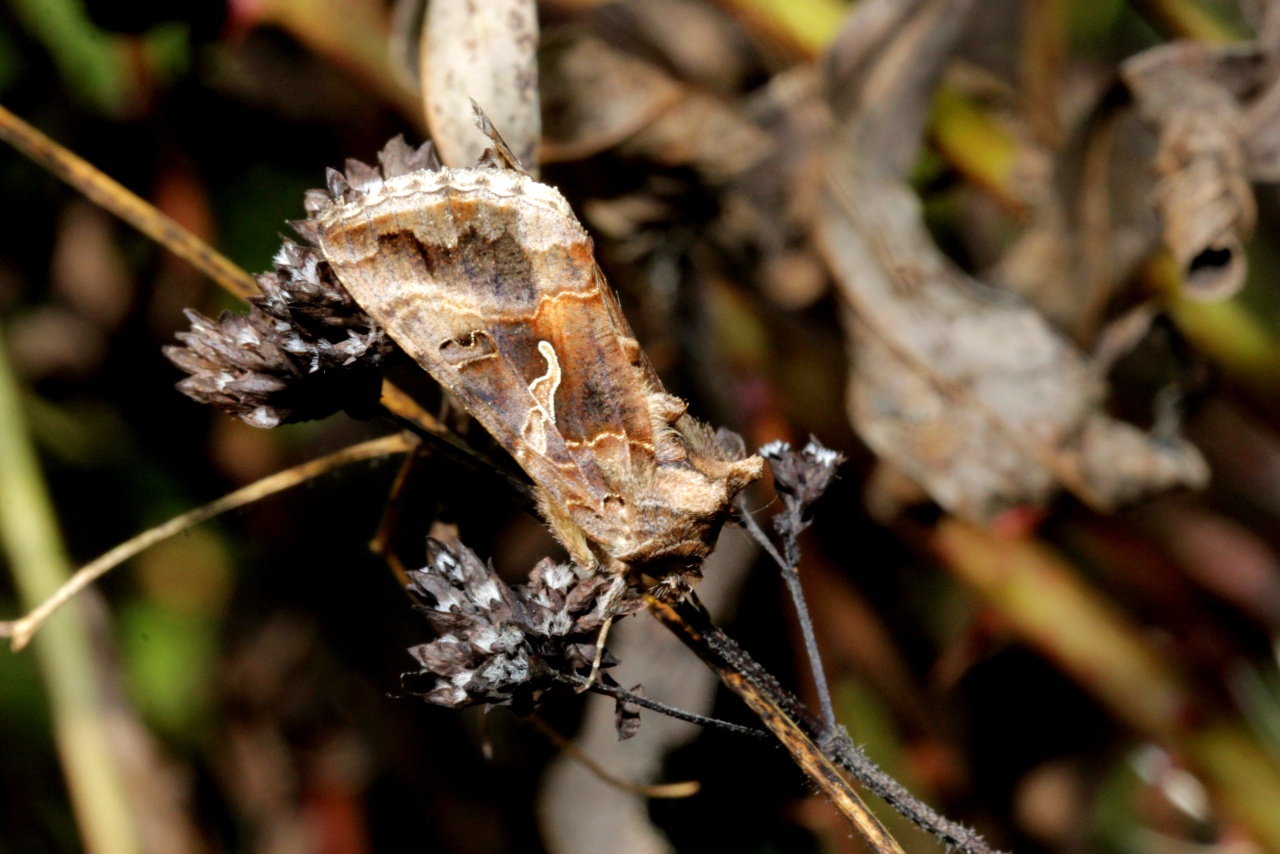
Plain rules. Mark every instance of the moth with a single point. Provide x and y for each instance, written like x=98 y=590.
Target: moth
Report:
x=489 y=282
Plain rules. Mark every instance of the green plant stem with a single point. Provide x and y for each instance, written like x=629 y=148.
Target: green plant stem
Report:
x=33 y=546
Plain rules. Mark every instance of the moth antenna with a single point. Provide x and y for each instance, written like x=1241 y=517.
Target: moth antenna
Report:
x=501 y=151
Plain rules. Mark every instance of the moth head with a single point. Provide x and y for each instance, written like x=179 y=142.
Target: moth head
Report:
x=688 y=502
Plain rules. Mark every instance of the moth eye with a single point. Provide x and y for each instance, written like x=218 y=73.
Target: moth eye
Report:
x=468 y=348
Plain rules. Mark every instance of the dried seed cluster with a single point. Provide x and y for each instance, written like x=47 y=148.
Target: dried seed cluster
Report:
x=499 y=644
x=305 y=349
x=800 y=478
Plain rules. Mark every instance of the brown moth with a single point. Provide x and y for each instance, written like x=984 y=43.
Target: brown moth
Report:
x=486 y=278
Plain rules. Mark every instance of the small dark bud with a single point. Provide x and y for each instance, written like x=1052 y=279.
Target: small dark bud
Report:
x=804 y=474
x=800 y=478
x=626 y=715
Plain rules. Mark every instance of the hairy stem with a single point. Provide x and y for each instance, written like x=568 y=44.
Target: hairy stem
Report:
x=816 y=747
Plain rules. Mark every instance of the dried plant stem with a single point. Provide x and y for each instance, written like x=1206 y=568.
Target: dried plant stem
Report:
x=792 y=578
x=1186 y=19
x=110 y=195
x=817 y=748
x=1042 y=56
x=685 y=789
x=380 y=544
x=21 y=631
x=33 y=547
x=693 y=626
x=608 y=690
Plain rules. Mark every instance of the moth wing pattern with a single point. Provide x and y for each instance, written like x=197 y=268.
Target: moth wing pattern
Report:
x=534 y=345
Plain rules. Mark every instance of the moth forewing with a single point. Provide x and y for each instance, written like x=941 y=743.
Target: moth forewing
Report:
x=487 y=279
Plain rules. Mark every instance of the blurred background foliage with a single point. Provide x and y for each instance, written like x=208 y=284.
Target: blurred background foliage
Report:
x=252 y=668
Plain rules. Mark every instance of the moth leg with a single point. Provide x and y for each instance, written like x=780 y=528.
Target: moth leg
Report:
x=380 y=545
x=609 y=606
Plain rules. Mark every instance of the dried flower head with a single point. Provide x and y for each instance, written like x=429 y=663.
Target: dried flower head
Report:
x=305 y=349
x=800 y=477
x=498 y=644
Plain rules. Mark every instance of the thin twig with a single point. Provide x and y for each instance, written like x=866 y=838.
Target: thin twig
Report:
x=787 y=716
x=691 y=625
x=792 y=579
x=757 y=533
x=21 y=631
x=380 y=543
x=619 y=693
x=110 y=195
x=685 y=789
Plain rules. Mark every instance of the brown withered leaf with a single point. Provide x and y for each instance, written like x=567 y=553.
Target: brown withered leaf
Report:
x=486 y=53
x=1214 y=110
x=704 y=44
x=966 y=389
x=597 y=97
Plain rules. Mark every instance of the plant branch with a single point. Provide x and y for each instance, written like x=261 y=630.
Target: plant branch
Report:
x=792 y=578
x=617 y=692
x=693 y=626
x=817 y=748
x=22 y=630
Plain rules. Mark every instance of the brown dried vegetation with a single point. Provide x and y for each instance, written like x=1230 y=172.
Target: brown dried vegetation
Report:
x=1014 y=260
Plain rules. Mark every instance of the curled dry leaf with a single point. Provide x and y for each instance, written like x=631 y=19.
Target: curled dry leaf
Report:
x=486 y=53
x=597 y=96
x=1168 y=166
x=1214 y=110
x=966 y=389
